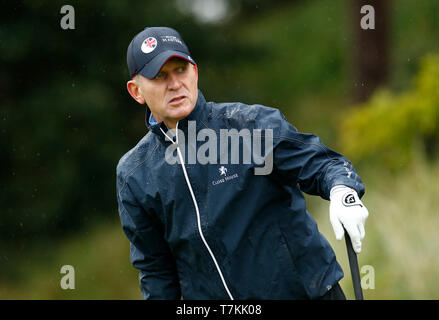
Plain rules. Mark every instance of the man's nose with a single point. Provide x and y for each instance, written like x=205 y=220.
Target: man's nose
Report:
x=174 y=82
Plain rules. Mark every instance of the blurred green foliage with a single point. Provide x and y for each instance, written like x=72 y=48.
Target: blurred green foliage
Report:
x=66 y=117
x=391 y=127
x=101 y=268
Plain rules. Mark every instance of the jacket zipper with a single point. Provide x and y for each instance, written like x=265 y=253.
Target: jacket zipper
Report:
x=200 y=231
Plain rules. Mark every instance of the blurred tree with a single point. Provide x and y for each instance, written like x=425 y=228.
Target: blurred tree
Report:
x=261 y=7
x=371 y=55
x=65 y=109
x=66 y=117
x=398 y=126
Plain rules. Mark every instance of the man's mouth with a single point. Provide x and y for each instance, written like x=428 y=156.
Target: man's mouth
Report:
x=176 y=99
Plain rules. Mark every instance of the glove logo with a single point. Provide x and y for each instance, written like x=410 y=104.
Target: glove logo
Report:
x=349 y=200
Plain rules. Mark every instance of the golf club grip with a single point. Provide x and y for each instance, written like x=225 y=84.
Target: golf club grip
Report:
x=353 y=264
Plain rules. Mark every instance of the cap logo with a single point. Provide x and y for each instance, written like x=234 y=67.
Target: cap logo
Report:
x=171 y=39
x=149 y=44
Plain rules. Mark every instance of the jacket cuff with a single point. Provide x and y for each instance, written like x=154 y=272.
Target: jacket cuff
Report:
x=344 y=181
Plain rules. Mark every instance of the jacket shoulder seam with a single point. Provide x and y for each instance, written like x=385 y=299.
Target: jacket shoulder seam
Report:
x=307 y=143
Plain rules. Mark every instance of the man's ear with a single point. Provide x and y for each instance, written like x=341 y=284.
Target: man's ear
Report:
x=196 y=70
x=134 y=90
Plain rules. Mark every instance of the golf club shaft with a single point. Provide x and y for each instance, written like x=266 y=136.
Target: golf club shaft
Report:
x=353 y=264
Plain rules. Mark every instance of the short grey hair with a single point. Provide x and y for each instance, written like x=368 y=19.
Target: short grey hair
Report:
x=137 y=78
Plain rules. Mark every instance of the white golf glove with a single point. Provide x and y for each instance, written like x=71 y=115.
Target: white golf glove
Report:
x=346 y=209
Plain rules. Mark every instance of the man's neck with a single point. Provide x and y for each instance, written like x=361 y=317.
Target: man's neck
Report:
x=169 y=124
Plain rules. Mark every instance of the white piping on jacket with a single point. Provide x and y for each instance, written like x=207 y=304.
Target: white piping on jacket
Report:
x=196 y=210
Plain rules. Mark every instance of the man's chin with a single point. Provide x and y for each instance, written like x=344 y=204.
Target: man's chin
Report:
x=181 y=112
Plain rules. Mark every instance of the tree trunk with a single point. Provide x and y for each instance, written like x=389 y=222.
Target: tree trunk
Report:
x=371 y=54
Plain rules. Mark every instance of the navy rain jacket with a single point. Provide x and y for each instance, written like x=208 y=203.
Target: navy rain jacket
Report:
x=195 y=236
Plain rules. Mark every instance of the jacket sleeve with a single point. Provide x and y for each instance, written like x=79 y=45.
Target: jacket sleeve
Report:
x=302 y=158
x=149 y=252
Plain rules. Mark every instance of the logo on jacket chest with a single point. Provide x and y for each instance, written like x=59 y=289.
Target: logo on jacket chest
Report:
x=223 y=176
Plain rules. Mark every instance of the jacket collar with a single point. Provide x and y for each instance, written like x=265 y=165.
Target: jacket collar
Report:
x=198 y=113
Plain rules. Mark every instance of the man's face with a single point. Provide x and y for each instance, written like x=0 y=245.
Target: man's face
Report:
x=173 y=93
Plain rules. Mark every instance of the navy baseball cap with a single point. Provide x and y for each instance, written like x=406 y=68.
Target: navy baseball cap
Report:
x=151 y=48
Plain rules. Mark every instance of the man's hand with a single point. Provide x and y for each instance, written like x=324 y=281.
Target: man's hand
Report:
x=346 y=209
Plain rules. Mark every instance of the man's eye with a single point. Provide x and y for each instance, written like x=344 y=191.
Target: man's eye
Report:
x=160 y=76
x=181 y=69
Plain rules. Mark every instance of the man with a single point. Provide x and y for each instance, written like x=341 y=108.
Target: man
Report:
x=218 y=230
